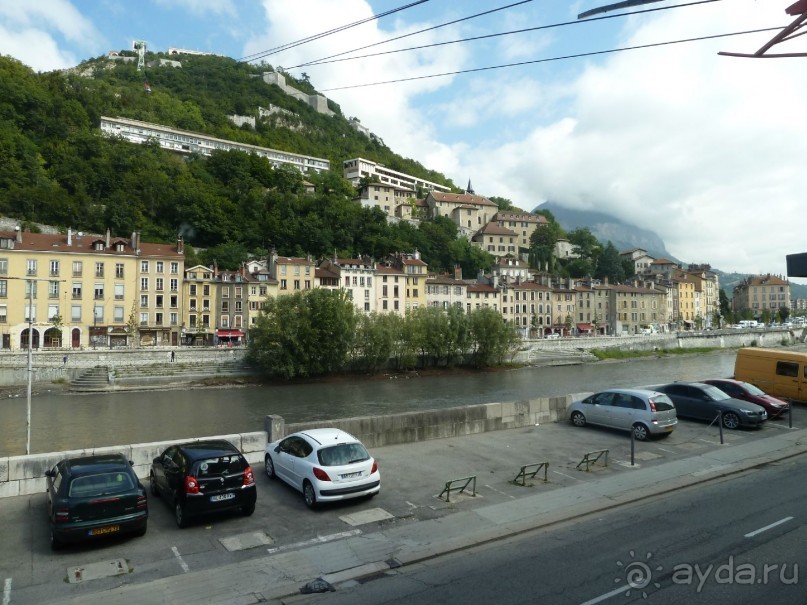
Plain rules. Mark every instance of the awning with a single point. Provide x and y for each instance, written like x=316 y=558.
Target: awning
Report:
x=229 y=333
x=584 y=327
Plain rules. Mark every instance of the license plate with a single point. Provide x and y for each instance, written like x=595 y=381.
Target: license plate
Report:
x=350 y=475
x=668 y=428
x=100 y=531
x=220 y=497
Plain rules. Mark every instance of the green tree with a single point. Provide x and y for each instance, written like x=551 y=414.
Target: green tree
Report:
x=610 y=265
x=493 y=339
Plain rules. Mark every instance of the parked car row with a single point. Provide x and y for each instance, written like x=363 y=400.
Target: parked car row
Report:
x=654 y=411
x=93 y=496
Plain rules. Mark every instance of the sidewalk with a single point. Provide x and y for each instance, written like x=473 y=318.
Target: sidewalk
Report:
x=282 y=573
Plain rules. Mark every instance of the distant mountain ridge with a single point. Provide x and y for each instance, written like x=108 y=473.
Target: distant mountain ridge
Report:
x=606 y=227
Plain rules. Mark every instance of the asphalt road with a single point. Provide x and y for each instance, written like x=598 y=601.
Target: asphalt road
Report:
x=738 y=540
x=412 y=477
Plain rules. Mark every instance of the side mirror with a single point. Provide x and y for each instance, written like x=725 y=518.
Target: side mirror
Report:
x=277 y=449
x=50 y=473
x=157 y=460
x=131 y=463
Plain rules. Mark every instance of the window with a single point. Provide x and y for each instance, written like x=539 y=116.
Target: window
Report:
x=99 y=292
x=76 y=289
x=238 y=306
x=53 y=289
x=160 y=266
x=239 y=321
x=32 y=311
x=3 y=314
x=225 y=306
x=117 y=314
x=225 y=322
x=296 y=284
x=144 y=319
x=786 y=368
x=30 y=267
x=54 y=268
x=283 y=285
x=119 y=270
x=98 y=313
x=3 y=266
x=158 y=318
x=99 y=269
x=206 y=290
x=174 y=268
x=119 y=291
x=30 y=289
x=225 y=292
x=158 y=301
x=75 y=313
x=193 y=289
x=144 y=300
x=144 y=283
x=174 y=301
x=174 y=319
x=144 y=266
x=174 y=284
x=158 y=284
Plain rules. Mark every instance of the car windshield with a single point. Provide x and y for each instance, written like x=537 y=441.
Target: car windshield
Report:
x=342 y=454
x=662 y=403
x=225 y=465
x=102 y=484
x=753 y=390
x=714 y=393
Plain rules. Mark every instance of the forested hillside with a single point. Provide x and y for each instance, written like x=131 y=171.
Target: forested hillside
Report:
x=56 y=167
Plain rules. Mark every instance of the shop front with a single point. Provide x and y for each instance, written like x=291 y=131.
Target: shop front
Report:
x=229 y=338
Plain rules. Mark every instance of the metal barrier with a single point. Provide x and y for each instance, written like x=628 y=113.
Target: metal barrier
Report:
x=454 y=486
x=592 y=458
x=528 y=471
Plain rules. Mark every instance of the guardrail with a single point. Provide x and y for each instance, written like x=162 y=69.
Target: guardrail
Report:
x=593 y=458
x=528 y=471
x=454 y=486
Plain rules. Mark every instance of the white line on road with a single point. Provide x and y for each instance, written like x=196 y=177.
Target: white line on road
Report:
x=182 y=563
x=565 y=475
x=666 y=450
x=317 y=540
x=500 y=492
x=607 y=595
x=7 y=591
x=767 y=527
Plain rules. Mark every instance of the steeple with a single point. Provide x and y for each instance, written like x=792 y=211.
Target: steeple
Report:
x=469 y=189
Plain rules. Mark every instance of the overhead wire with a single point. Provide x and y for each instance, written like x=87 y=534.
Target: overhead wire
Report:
x=277 y=49
x=560 y=58
x=420 y=31
x=327 y=60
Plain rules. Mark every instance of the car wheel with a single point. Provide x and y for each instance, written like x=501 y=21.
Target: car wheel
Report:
x=309 y=495
x=731 y=420
x=179 y=515
x=248 y=509
x=640 y=432
x=270 y=467
x=578 y=419
x=55 y=543
x=153 y=486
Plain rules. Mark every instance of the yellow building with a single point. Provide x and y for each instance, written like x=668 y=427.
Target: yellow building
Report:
x=76 y=290
x=198 y=324
x=293 y=274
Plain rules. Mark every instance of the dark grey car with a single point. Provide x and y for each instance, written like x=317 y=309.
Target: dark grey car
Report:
x=704 y=402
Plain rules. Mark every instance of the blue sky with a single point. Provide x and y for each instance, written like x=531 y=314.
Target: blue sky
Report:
x=707 y=151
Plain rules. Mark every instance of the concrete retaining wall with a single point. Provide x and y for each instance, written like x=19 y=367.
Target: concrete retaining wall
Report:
x=22 y=475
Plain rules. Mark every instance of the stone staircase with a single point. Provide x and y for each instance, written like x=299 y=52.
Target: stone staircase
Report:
x=559 y=357
x=94 y=379
x=158 y=375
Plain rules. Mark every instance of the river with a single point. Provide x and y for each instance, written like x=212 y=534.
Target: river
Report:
x=64 y=421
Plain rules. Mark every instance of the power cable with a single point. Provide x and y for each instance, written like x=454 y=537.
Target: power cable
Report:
x=421 y=31
x=575 y=56
x=277 y=49
x=486 y=36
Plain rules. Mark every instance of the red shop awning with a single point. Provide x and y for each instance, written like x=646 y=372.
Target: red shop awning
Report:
x=229 y=333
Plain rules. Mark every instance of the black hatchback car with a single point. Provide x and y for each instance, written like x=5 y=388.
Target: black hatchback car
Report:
x=94 y=496
x=704 y=402
x=203 y=477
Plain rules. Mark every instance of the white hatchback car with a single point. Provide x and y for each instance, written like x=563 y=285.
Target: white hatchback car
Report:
x=324 y=464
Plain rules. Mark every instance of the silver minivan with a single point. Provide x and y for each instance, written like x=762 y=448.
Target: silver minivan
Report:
x=644 y=412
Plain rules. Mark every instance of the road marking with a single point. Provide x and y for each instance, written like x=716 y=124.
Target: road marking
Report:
x=567 y=476
x=182 y=563
x=317 y=540
x=666 y=450
x=767 y=527
x=607 y=595
x=7 y=591
x=500 y=492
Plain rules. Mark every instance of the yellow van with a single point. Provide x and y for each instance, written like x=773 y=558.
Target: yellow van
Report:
x=780 y=373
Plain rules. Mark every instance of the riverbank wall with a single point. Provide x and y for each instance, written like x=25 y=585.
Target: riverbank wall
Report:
x=22 y=475
x=62 y=366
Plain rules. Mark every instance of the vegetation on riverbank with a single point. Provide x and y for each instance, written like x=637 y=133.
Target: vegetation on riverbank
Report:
x=603 y=354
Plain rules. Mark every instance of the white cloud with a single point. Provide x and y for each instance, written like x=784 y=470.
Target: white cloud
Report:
x=37 y=49
x=201 y=7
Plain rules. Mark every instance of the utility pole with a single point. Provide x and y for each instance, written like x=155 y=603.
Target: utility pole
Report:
x=30 y=363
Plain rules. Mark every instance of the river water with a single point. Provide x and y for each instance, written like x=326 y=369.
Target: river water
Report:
x=64 y=421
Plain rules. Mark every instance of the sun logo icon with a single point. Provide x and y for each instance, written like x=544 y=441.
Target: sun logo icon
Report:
x=638 y=575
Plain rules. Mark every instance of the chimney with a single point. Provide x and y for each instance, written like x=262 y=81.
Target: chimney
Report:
x=106 y=241
x=180 y=245
x=457 y=272
x=69 y=236
x=19 y=233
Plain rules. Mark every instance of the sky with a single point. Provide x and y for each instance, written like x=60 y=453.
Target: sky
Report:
x=706 y=150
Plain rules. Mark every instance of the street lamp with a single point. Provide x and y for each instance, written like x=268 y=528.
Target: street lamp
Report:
x=30 y=364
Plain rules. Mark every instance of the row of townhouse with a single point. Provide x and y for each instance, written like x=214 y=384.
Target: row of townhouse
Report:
x=74 y=290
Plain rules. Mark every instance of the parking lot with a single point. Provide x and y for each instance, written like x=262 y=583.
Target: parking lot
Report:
x=412 y=477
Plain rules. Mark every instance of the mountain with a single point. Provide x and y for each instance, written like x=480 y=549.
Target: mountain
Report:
x=606 y=227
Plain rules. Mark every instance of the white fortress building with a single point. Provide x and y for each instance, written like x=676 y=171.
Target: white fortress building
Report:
x=185 y=142
x=357 y=168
